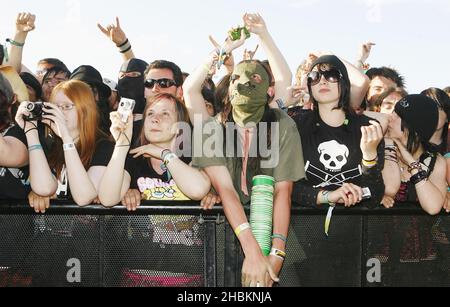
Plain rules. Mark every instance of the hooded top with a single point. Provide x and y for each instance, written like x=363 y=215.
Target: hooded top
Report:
x=133 y=87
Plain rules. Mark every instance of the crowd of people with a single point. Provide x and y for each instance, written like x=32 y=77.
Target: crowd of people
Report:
x=341 y=134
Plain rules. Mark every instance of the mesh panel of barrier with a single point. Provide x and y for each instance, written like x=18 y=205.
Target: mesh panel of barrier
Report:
x=413 y=250
x=153 y=251
x=169 y=251
x=42 y=250
x=316 y=260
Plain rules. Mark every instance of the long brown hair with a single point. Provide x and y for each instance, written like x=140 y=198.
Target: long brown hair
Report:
x=88 y=124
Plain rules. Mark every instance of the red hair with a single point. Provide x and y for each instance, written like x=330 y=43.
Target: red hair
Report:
x=88 y=123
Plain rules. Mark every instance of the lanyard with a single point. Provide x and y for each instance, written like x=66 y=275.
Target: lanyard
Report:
x=328 y=219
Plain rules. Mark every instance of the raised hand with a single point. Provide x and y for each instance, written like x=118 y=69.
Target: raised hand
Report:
x=25 y=22
x=371 y=138
x=22 y=112
x=255 y=24
x=365 y=50
x=56 y=120
x=114 y=32
x=229 y=44
x=121 y=132
x=296 y=95
x=249 y=55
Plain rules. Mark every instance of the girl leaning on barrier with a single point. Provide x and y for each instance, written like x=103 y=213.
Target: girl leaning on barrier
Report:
x=419 y=170
x=80 y=151
x=154 y=169
x=13 y=149
x=341 y=149
x=440 y=137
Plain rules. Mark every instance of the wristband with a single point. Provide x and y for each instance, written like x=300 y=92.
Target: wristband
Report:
x=241 y=228
x=279 y=237
x=34 y=147
x=164 y=153
x=419 y=177
x=415 y=165
x=369 y=164
x=13 y=42
x=278 y=253
x=169 y=157
x=69 y=147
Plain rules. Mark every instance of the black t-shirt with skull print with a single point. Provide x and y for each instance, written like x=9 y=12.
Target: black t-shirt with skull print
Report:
x=333 y=156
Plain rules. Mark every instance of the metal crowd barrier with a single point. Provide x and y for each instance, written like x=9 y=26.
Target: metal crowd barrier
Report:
x=178 y=245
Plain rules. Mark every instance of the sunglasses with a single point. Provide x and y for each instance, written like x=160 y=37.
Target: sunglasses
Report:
x=332 y=76
x=162 y=83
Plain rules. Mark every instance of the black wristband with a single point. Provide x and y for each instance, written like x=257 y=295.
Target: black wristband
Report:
x=419 y=177
x=124 y=43
x=126 y=50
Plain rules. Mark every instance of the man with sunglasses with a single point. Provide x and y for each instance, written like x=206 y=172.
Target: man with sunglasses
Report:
x=163 y=77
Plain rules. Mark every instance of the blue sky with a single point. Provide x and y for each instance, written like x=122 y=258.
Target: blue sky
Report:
x=411 y=35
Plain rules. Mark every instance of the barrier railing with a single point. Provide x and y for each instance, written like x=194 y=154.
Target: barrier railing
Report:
x=178 y=244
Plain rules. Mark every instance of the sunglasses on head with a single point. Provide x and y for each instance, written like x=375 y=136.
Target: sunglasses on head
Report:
x=162 y=83
x=332 y=76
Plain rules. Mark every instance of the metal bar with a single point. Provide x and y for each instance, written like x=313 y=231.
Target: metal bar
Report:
x=193 y=208
x=231 y=261
x=210 y=254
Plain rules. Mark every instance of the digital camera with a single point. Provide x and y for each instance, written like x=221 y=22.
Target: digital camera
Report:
x=125 y=109
x=36 y=111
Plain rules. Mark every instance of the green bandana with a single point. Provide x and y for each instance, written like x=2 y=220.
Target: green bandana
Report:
x=249 y=97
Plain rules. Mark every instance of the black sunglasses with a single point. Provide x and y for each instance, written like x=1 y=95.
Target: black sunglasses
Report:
x=162 y=83
x=332 y=76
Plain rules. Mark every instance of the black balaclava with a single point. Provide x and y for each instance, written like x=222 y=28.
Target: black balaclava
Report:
x=133 y=87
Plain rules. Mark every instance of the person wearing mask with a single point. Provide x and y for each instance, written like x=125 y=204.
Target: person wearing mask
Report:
x=249 y=111
x=131 y=86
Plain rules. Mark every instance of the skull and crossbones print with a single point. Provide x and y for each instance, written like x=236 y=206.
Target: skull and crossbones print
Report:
x=334 y=157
